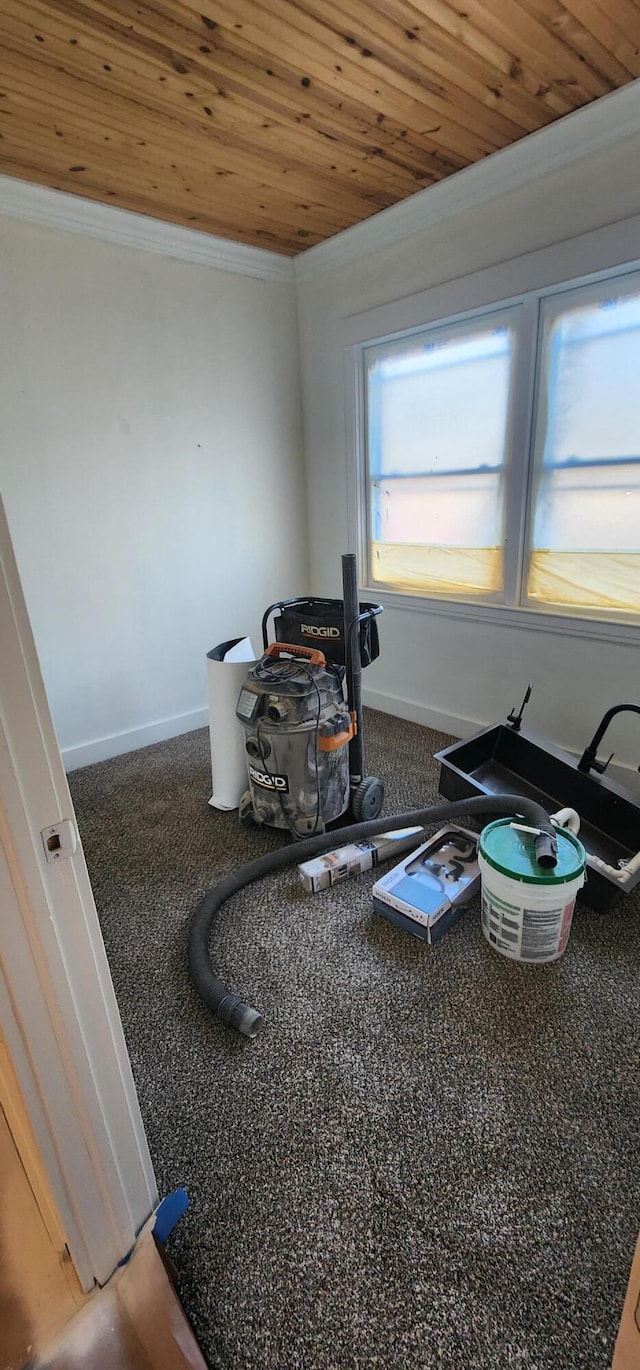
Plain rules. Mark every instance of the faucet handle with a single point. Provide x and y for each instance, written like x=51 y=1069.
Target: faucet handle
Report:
x=601 y=766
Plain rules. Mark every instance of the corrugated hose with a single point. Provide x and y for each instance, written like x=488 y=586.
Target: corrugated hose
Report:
x=233 y=1011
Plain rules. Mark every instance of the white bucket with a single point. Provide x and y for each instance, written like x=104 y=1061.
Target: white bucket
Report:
x=527 y=911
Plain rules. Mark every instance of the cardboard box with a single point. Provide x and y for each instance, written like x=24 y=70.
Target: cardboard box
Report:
x=425 y=894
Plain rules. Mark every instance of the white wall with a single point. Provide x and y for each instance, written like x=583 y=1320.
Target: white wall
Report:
x=150 y=464
x=434 y=668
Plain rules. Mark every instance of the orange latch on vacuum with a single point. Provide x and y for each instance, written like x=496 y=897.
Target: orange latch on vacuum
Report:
x=334 y=741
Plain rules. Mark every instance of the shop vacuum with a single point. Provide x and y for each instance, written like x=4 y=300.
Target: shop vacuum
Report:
x=305 y=759
x=303 y=737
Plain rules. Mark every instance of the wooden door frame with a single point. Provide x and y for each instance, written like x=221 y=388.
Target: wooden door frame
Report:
x=58 y=1011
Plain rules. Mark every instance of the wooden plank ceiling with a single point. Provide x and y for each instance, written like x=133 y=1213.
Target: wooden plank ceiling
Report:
x=278 y=123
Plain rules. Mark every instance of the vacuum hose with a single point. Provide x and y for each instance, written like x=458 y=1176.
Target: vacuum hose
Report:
x=230 y=1009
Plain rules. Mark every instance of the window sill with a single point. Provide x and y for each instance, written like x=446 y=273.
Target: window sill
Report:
x=534 y=620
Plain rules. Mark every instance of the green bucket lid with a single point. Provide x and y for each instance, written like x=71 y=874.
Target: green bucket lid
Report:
x=513 y=853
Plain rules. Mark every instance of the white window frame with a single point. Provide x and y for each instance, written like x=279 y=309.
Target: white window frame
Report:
x=518 y=314
x=590 y=292
x=598 y=256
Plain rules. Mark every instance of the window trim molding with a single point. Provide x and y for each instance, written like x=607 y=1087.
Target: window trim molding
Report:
x=612 y=250
x=509 y=616
x=601 y=254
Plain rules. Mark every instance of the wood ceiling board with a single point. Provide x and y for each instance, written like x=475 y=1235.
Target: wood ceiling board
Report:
x=278 y=124
x=258 y=211
x=585 y=29
x=626 y=15
x=263 y=204
x=178 y=135
x=230 y=156
x=472 y=97
x=221 y=149
x=410 y=187
x=491 y=31
x=611 y=33
x=252 y=234
x=140 y=90
x=544 y=52
x=276 y=88
x=413 y=110
x=264 y=34
x=436 y=47
x=421 y=104
x=439 y=17
x=462 y=89
x=130 y=174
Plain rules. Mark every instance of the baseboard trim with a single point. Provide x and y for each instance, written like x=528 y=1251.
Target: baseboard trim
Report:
x=420 y=713
x=132 y=739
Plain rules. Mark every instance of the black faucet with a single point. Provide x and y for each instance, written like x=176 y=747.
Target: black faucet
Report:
x=515 y=719
x=589 y=759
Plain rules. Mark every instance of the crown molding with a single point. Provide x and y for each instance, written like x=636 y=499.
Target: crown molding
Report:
x=56 y=209
x=604 y=122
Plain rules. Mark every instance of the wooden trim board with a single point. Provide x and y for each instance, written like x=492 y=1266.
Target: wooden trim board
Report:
x=627 y=1351
x=19 y=1123
x=39 y=1290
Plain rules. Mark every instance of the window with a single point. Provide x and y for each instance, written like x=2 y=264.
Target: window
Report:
x=585 y=543
x=439 y=432
x=464 y=500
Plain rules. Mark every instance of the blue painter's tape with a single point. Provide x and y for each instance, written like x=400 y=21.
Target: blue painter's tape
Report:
x=169 y=1212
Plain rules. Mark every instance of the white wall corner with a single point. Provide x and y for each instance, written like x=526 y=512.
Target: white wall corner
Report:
x=57 y=209
x=602 y=123
x=103 y=748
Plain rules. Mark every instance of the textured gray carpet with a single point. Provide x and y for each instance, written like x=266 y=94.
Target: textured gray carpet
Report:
x=429 y=1158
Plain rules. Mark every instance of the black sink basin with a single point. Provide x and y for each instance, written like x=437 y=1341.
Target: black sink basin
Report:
x=500 y=760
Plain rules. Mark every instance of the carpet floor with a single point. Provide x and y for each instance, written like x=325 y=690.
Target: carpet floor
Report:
x=429 y=1158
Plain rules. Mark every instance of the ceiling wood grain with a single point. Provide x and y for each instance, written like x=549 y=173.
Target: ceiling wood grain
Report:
x=277 y=123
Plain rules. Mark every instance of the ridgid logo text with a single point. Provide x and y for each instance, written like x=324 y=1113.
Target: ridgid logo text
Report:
x=316 y=630
x=268 y=781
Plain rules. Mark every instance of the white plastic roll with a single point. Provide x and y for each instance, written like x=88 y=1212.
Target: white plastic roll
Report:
x=227 y=666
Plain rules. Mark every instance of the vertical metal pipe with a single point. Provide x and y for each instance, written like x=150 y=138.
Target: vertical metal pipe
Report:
x=353 y=661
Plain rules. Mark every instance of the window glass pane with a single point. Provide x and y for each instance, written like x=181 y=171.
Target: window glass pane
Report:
x=438 y=415
x=585 y=545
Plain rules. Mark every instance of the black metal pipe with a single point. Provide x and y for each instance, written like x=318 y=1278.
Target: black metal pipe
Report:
x=233 y=1011
x=351 y=607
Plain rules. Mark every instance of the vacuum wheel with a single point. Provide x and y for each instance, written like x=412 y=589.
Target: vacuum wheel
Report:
x=367 y=799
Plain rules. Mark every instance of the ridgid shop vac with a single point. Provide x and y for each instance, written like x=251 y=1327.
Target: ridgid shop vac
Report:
x=301 y=711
